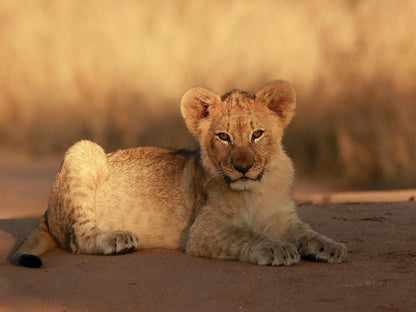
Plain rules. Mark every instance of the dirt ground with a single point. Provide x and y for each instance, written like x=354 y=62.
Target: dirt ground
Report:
x=378 y=275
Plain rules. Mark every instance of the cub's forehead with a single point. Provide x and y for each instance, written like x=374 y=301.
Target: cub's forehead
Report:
x=239 y=109
x=237 y=102
x=238 y=97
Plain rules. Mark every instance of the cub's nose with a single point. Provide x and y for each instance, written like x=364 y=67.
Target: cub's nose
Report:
x=242 y=167
x=242 y=162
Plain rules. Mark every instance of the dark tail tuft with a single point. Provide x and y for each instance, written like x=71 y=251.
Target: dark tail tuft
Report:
x=30 y=261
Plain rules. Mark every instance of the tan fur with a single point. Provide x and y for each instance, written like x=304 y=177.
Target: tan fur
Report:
x=230 y=200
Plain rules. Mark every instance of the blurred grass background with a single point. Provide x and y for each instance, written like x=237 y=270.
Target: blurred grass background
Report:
x=114 y=72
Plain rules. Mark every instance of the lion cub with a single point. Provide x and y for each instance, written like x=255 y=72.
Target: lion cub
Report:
x=232 y=199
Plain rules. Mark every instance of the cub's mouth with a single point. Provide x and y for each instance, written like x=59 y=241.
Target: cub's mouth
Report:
x=243 y=182
x=242 y=178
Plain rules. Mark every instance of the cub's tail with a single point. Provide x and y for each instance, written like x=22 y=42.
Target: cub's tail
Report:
x=38 y=242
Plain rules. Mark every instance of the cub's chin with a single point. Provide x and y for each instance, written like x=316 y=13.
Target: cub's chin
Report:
x=244 y=184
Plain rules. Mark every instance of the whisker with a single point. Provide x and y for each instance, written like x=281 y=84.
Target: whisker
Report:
x=214 y=176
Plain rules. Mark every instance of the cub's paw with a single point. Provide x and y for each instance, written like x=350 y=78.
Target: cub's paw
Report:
x=274 y=253
x=116 y=242
x=321 y=248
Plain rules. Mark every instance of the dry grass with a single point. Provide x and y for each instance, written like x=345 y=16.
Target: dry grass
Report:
x=115 y=71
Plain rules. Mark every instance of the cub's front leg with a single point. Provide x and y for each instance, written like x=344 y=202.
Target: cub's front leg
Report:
x=216 y=238
x=315 y=246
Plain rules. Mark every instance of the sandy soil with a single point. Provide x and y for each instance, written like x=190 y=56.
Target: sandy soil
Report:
x=379 y=274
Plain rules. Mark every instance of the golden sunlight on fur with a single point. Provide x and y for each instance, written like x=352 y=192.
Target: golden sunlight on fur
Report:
x=232 y=199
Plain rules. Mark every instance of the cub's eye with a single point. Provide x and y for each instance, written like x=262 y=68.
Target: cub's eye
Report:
x=257 y=134
x=223 y=136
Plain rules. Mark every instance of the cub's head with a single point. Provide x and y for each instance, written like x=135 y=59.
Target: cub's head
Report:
x=239 y=133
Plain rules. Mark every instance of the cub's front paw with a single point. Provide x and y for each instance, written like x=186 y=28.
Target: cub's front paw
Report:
x=273 y=253
x=321 y=248
x=116 y=242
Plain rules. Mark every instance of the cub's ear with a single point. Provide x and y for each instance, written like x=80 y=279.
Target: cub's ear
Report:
x=280 y=97
x=196 y=106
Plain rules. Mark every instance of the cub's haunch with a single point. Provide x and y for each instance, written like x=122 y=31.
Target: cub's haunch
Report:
x=232 y=199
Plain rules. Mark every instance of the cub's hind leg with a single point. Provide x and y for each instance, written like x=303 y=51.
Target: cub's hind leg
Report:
x=72 y=213
x=92 y=241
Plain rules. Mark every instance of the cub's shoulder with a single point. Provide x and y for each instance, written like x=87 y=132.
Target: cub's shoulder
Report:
x=184 y=153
